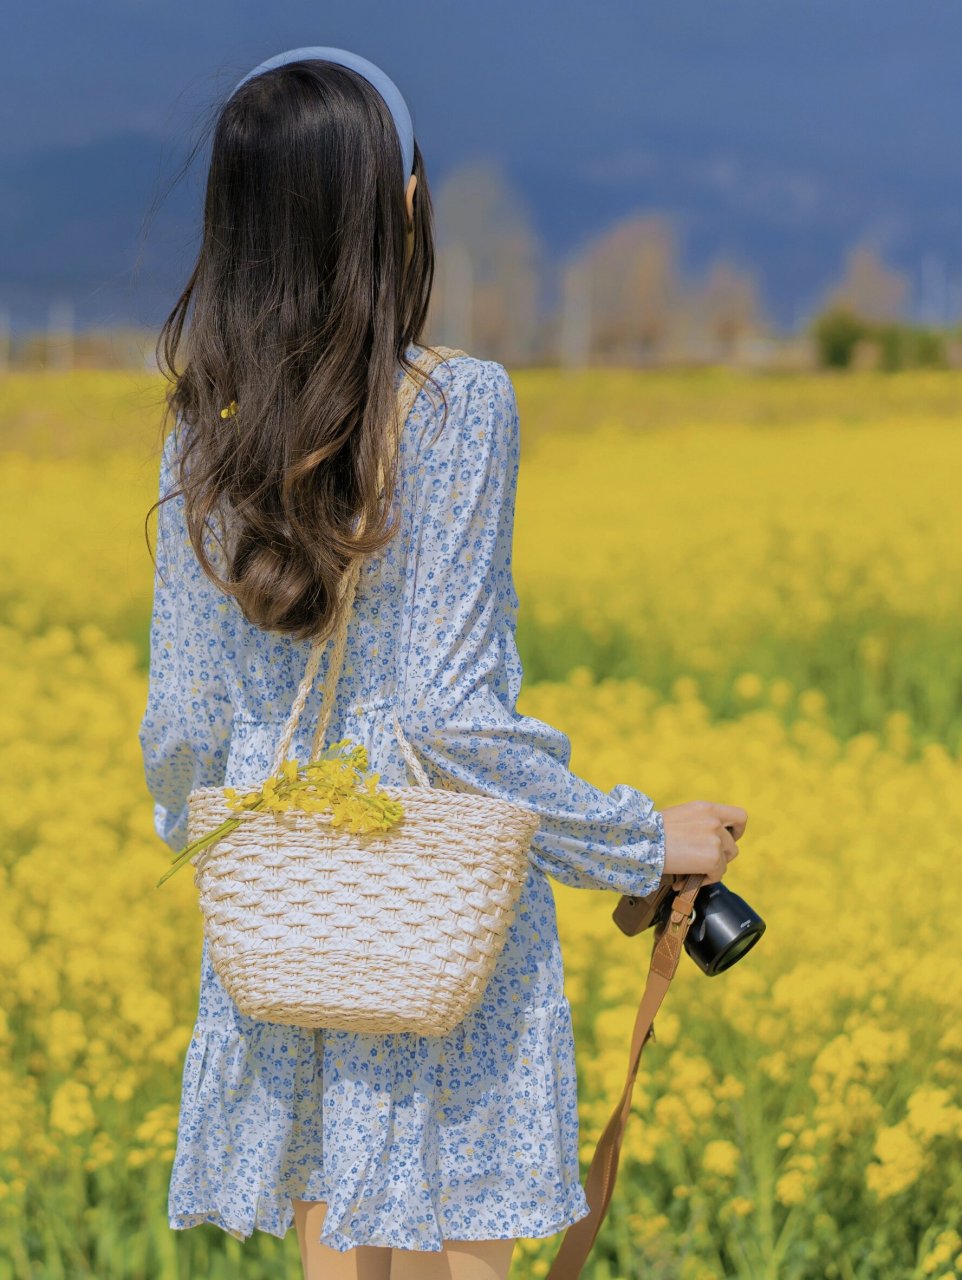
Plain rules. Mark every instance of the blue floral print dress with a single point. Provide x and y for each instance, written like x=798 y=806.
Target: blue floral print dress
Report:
x=410 y=1140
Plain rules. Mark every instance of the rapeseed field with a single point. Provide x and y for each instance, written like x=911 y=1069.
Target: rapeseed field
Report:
x=732 y=588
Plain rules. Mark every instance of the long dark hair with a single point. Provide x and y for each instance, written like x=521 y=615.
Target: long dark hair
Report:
x=309 y=286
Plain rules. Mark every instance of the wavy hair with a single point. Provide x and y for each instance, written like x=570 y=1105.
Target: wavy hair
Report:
x=309 y=286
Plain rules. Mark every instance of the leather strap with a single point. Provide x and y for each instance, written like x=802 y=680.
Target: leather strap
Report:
x=600 y=1182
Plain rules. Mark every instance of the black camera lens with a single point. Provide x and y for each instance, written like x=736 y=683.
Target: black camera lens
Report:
x=723 y=929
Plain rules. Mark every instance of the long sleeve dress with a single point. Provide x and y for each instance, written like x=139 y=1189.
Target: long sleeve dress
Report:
x=410 y=1140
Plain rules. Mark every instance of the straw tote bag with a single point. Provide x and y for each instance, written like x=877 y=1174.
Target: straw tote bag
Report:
x=398 y=930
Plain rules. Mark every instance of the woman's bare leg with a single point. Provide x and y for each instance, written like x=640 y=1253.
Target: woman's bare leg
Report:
x=321 y=1262
x=458 y=1260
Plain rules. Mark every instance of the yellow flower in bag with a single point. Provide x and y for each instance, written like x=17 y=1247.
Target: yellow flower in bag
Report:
x=333 y=783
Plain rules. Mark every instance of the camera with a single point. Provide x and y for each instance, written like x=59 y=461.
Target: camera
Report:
x=723 y=926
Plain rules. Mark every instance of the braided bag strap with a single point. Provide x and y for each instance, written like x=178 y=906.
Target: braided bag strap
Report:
x=404 y=403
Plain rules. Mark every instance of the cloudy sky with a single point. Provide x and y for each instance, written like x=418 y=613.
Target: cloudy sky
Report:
x=779 y=132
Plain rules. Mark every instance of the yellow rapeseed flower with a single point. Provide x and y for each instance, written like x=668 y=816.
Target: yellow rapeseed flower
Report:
x=721 y=1157
x=853 y=525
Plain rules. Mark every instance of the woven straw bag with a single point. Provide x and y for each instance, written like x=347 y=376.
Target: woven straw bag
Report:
x=390 y=931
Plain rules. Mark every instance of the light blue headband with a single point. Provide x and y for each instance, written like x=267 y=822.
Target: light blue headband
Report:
x=381 y=81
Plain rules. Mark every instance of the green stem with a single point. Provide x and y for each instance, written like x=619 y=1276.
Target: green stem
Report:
x=197 y=845
x=336 y=790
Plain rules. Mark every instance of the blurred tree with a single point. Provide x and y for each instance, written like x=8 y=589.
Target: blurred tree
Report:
x=633 y=288
x=906 y=347
x=574 y=322
x=451 y=315
x=490 y=262
x=869 y=288
x=858 y=323
x=844 y=340
x=837 y=333
x=728 y=307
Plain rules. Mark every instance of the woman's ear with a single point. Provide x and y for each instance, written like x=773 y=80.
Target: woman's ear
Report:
x=412 y=183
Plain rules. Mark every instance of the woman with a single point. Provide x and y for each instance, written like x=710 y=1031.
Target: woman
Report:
x=394 y=1155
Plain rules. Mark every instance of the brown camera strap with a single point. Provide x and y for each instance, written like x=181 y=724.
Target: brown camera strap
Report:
x=600 y=1182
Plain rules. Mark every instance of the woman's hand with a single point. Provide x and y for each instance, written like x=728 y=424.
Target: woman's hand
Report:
x=701 y=838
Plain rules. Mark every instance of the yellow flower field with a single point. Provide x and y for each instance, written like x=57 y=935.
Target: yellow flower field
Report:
x=736 y=589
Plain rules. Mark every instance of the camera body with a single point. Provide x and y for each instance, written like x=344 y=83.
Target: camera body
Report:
x=634 y=915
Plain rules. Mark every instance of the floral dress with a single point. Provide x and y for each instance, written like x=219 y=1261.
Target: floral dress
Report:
x=410 y=1140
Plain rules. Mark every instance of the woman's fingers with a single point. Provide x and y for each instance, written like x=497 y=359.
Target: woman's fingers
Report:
x=728 y=844
x=734 y=817
x=701 y=837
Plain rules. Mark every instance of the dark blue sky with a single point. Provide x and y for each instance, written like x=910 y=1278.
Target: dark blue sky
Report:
x=780 y=133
